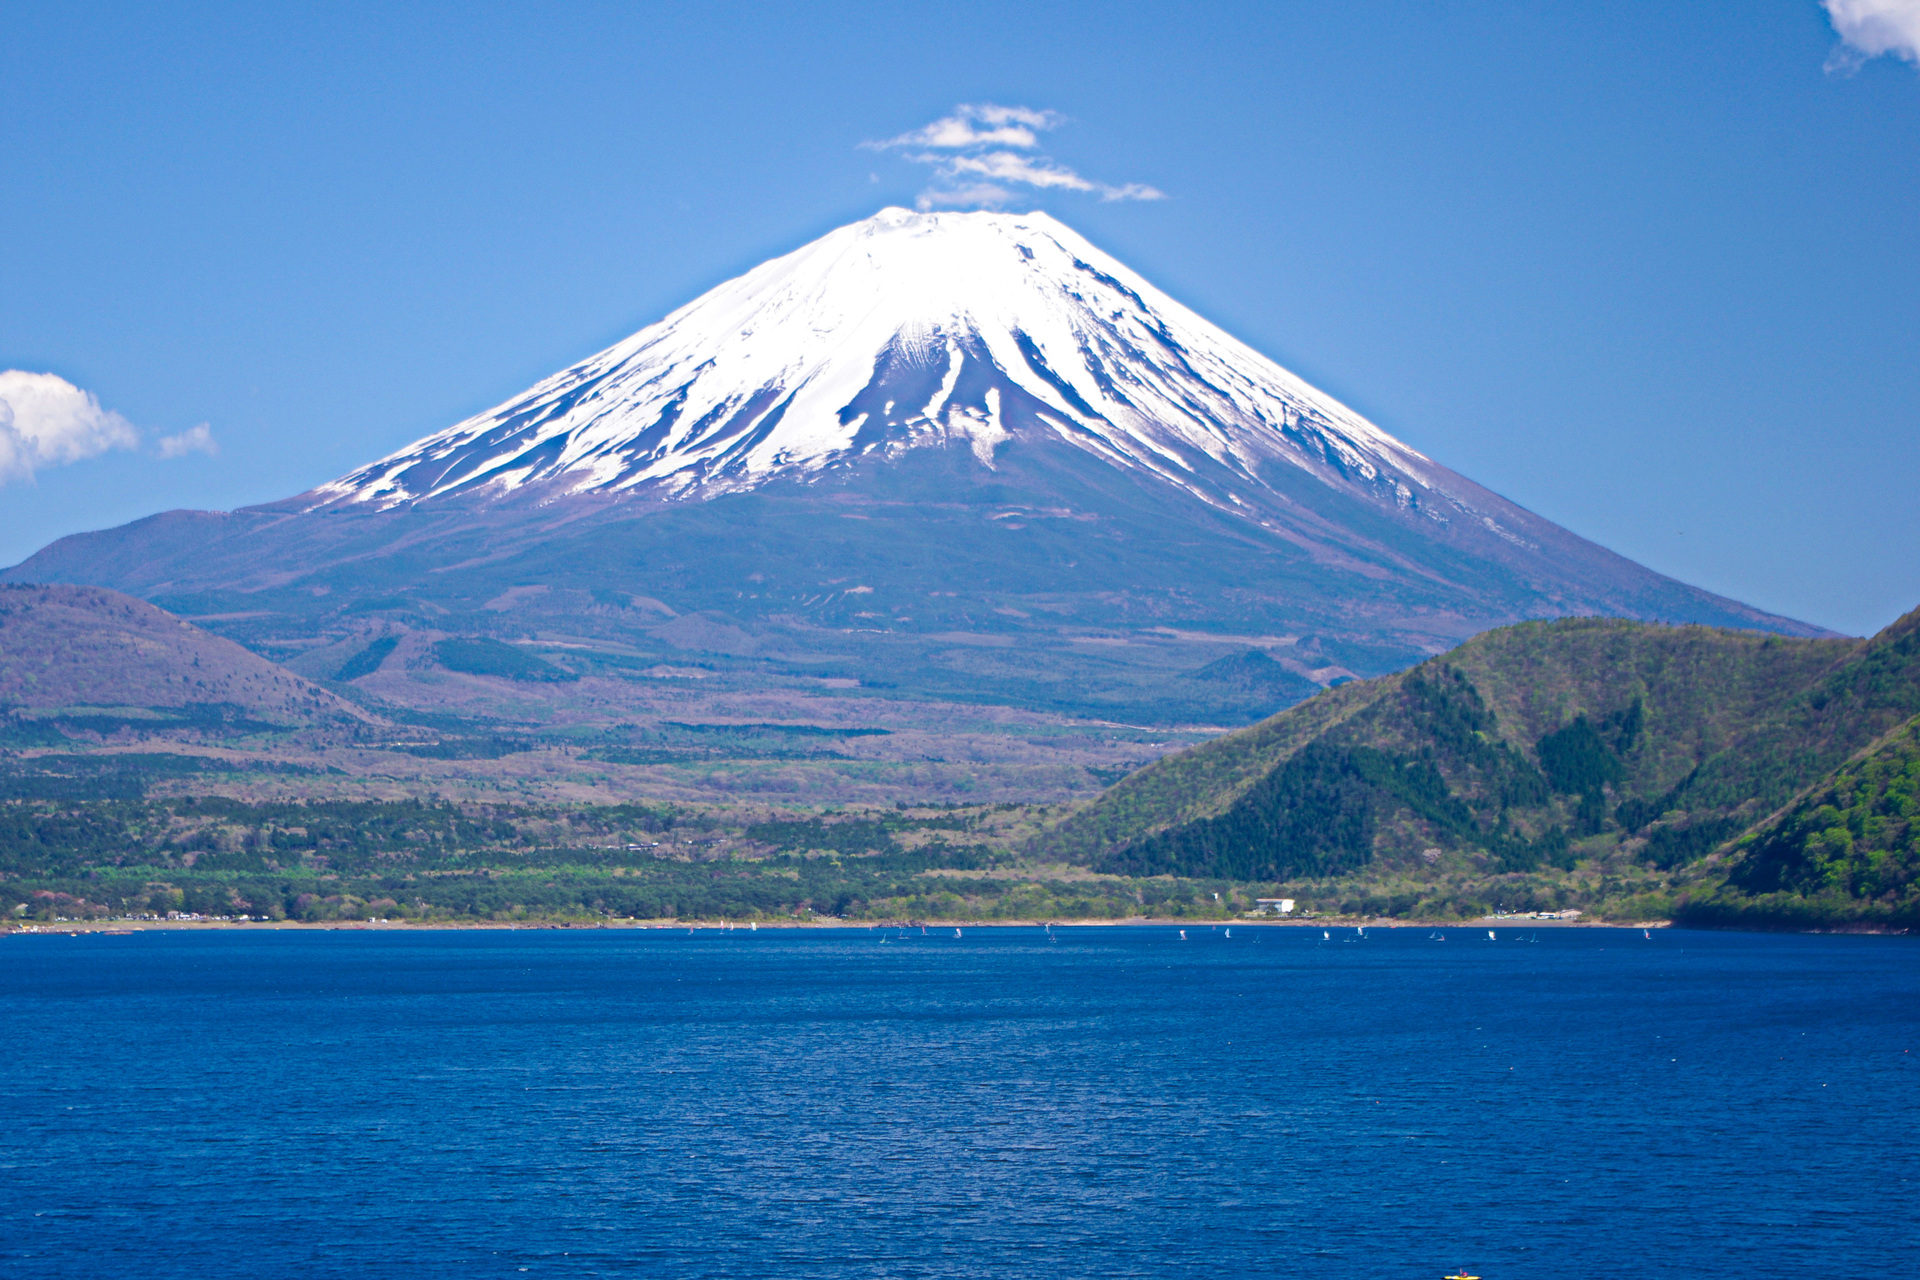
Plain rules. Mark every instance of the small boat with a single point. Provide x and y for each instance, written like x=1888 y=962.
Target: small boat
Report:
x=956 y=933
x=1229 y=933
x=1183 y=935
x=1490 y=937
x=1462 y=1275
x=1325 y=934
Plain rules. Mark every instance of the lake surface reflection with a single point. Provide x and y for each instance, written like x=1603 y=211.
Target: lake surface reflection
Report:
x=1096 y=1102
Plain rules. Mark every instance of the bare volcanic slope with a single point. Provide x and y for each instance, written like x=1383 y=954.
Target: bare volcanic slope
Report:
x=918 y=439
x=81 y=650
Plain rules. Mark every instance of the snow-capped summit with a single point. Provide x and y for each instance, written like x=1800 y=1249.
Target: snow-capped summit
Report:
x=903 y=330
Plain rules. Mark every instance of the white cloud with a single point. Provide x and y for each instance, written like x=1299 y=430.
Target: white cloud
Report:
x=1037 y=171
x=978 y=148
x=1869 y=28
x=193 y=440
x=1004 y=127
x=974 y=195
x=46 y=421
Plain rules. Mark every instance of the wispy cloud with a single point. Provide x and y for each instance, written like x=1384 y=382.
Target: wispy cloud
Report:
x=973 y=195
x=983 y=150
x=46 y=421
x=982 y=125
x=1869 y=28
x=193 y=440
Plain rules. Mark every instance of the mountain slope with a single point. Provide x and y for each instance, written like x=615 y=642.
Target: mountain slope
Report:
x=1803 y=737
x=1847 y=852
x=919 y=427
x=1508 y=751
x=83 y=651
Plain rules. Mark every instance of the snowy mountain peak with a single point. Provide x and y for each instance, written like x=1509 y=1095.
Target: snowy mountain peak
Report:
x=930 y=430
x=903 y=330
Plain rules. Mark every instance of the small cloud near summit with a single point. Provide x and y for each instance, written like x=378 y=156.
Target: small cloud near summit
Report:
x=1004 y=127
x=970 y=196
x=983 y=150
x=1869 y=28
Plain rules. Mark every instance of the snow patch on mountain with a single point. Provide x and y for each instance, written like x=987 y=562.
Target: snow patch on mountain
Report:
x=904 y=330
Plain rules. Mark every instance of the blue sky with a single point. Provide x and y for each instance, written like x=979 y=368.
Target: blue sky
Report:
x=1651 y=270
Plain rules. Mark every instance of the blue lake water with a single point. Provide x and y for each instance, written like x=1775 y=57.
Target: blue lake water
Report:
x=822 y=1103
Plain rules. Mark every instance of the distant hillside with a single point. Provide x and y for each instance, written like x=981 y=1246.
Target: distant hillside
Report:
x=93 y=659
x=1538 y=745
x=1798 y=739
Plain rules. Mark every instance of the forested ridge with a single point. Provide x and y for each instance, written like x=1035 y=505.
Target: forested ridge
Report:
x=1595 y=745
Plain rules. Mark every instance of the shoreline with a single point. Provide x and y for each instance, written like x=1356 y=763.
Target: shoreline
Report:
x=1142 y=922
x=119 y=928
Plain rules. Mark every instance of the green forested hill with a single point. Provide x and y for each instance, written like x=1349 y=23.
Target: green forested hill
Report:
x=1581 y=741
x=1478 y=715
x=1795 y=741
x=1848 y=851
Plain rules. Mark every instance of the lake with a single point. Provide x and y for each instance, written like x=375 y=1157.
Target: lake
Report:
x=1116 y=1102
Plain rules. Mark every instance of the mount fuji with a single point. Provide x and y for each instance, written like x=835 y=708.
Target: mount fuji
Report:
x=956 y=455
